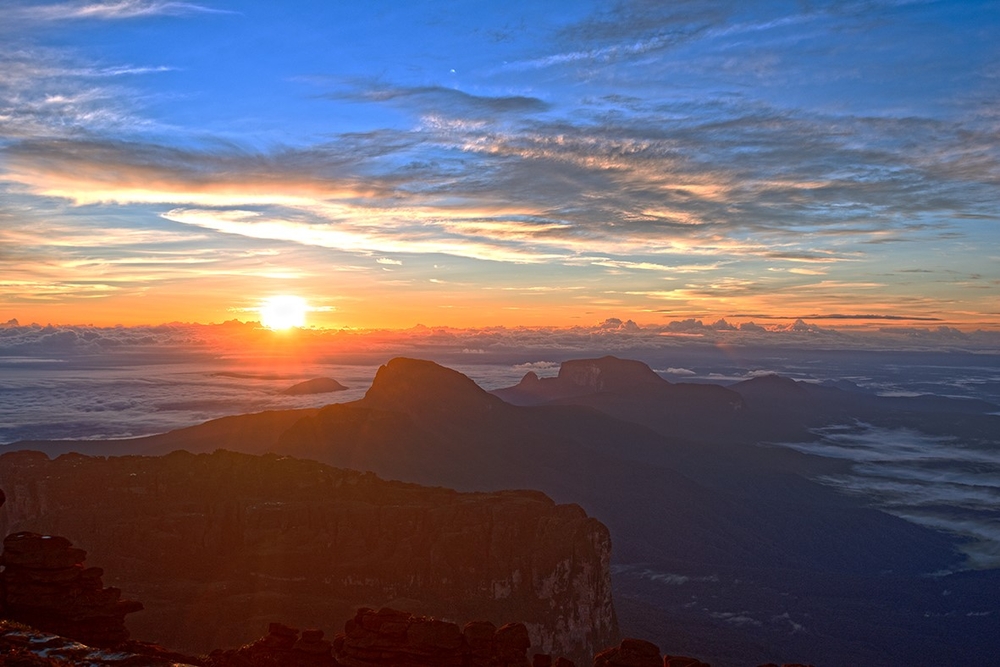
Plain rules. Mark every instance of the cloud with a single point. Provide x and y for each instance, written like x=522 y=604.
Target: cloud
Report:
x=371 y=235
x=651 y=186
x=631 y=29
x=440 y=100
x=123 y=9
x=81 y=346
x=918 y=477
x=537 y=366
x=840 y=316
x=808 y=257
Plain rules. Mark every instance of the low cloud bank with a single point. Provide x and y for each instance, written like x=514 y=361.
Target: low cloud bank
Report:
x=188 y=342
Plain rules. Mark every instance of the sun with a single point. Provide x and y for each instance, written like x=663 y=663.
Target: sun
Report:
x=283 y=312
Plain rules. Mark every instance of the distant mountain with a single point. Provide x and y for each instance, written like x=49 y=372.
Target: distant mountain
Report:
x=768 y=408
x=314 y=386
x=630 y=390
x=581 y=377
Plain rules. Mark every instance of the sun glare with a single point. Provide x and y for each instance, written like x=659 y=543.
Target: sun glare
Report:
x=283 y=312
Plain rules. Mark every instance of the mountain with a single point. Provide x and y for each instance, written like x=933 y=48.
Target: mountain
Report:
x=314 y=386
x=721 y=543
x=630 y=390
x=216 y=545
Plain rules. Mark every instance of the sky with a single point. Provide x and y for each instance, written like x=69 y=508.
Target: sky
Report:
x=477 y=164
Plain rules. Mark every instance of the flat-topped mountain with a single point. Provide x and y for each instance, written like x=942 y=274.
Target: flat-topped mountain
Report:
x=631 y=390
x=314 y=386
x=216 y=545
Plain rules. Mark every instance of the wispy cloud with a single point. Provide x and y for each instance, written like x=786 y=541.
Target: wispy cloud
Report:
x=649 y=186
x=432 y=100
x=123 y=9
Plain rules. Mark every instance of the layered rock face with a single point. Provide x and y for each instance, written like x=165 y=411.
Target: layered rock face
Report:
x=45 y=585
x=218 y=544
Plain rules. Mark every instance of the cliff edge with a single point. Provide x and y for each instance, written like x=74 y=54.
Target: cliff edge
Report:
x=218 y=544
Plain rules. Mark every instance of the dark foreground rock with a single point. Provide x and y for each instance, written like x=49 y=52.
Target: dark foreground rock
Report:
x=46 y=585
x=24 y=646
x=389 y=637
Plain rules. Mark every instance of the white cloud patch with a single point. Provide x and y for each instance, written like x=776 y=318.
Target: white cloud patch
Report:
x=123 y=9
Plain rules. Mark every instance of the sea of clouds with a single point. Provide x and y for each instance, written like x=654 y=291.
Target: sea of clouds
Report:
x=119 y=382
x=941 y=482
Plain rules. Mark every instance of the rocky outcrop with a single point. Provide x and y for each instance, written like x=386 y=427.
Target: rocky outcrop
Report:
x=218 y=544
x=45 y=585
x=24 y=646
x=640 y=653
x=630 y=653
x=282 y=647
x=391 y=638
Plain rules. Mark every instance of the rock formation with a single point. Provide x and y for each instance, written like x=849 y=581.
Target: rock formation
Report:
x=24 y=646
x=45 y=585
x=280 y=647
x=630 y=653
x=218 y=544
x=391 y=638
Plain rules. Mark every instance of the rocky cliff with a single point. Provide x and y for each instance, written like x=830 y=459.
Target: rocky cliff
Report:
x=45 y=584
x=218 y=544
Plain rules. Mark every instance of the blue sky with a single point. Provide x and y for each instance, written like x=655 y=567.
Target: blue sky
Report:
x=515 y=163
